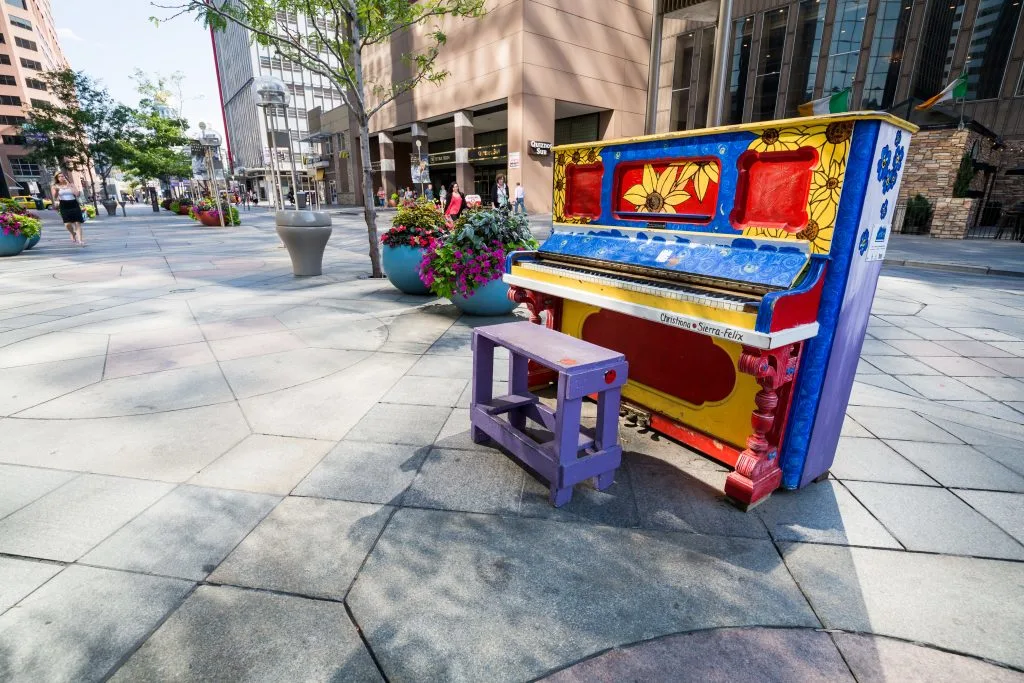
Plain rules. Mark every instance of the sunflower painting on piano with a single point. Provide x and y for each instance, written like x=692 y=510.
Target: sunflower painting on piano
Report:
x=832 y=142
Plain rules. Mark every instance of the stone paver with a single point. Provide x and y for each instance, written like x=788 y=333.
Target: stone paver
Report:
x=82 y=622
x=229 y=634
x=229 y=377
x=442 y=592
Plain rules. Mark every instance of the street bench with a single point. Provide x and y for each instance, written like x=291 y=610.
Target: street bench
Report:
x=574 y=454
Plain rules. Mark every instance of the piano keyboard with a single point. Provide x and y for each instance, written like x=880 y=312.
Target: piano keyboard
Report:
x=669 y=290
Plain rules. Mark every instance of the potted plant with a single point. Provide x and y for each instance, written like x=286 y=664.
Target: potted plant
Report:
x=466 y=266
x=414 y=229
x=16 y=229
x=166 y=204
x=184 y=206
x=196 y=210
x=174 y=206
x=393 y=201
x=211 y=218
x=90 y=212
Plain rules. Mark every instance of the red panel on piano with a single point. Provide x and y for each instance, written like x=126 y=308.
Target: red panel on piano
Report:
x=583 y=190
x=683 y=189
x=684 y=364
x=772 y=189
x=798 y=309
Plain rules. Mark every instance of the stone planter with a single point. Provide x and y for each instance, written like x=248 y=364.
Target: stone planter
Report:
x=110 y=206
x=402 y=266
x=12 y=245
x=33 y=241
x=183 y=210
x=305 y=235
x=209 y=221
x=491 y=299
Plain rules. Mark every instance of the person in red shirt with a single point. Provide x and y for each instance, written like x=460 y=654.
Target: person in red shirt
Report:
x=456 y=202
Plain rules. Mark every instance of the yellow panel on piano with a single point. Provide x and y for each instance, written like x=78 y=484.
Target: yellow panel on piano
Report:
x=728 y=419
x=737 y=318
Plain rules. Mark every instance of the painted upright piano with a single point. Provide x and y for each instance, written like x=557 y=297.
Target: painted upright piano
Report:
x=735 y=267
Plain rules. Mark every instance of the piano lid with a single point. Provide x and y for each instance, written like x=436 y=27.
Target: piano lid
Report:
x=761 y=262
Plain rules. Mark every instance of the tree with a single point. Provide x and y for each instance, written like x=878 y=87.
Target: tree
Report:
x=85 y=129
x=158 y=145
x=343 y=32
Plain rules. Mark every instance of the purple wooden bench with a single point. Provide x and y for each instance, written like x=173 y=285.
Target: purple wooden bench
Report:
x=574 y=454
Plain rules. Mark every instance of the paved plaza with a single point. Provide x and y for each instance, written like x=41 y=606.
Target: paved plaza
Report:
x=212 y=470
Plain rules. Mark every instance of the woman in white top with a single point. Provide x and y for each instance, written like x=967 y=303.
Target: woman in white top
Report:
x=65 y=193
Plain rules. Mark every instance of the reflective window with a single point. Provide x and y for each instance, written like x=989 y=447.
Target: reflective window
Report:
x=844 y=49
x=890 y=37
x=769 y=63
x=989 y=50
x=1020 y=85
x=938 y=41
x=810 y=21
x=682 y=74
x=707 y=61
x=743 y=33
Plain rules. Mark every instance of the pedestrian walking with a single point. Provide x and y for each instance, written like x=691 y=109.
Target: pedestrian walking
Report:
x=499 y=194
x=443 y=195
x=429 y=192
x=381 y=197
x=456 y=202
x=65 y=195
x=520 y=200
x=409 y=195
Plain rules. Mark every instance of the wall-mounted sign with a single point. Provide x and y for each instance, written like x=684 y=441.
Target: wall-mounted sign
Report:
x=440 y=158
x=538 y=148
x=488 y=153
x=513 y=159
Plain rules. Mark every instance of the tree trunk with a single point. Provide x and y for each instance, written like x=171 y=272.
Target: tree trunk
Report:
x=369 y=209
x=92 y=186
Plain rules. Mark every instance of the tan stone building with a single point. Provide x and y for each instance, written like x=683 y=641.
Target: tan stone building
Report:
x=28 y=47
x=529 y=74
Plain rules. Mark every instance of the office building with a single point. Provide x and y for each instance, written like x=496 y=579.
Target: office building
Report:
x=28 y=47
x=251 y=140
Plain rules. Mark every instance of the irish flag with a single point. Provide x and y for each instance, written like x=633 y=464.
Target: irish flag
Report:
x=833 y=104
x=957 y=90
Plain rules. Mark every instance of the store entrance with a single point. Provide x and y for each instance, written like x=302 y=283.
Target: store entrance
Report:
x=442 y=177
x=484 y=176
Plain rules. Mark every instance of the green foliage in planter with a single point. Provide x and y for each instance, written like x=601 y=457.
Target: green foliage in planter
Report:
x=919 y=212
x=964 y=176
x=175 y=206
x=416 y=225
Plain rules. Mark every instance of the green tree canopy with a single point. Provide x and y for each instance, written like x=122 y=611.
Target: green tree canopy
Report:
x=158 y=144
x=342 y=33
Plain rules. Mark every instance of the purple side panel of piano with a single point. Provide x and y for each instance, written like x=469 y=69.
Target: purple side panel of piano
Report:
x=862 y=279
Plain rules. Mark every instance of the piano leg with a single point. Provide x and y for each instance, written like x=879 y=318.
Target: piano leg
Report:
x=538 y=303
x=757 y=471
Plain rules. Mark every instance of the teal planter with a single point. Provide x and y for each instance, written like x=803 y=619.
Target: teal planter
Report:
x=491 y=299
x=12 y=245
x=33 y=241
x=402 y=266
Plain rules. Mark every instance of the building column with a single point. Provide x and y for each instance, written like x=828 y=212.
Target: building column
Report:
x=531 y=117
x=419 y=134
x=464 y=174
x=387 y=163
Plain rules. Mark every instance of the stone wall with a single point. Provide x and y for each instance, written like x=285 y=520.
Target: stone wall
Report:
x=933 y=160
x=951 y=216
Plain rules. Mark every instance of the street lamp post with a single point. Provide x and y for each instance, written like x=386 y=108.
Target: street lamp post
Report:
x=272 y=92
x=210 y=140
x=419 y=163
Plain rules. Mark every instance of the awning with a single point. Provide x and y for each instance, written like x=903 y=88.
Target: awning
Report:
x=318 y=136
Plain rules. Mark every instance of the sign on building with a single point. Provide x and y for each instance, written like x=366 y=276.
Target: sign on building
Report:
x=540 y=149
x=513 y=159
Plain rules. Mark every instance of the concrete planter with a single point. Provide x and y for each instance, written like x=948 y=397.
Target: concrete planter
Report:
x=183 y=210
x=491 y=299
x=110 y=206
x=12 y=245
x=209 y=221
x=305 y=235
x=402 y=266
x=33 y=241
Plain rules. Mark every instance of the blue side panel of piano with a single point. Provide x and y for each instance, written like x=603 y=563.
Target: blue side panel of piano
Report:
x=815 y=360
x=738 y=259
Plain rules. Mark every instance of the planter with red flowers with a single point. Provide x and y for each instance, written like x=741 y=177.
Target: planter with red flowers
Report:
x=415 y=229
x=467 y=265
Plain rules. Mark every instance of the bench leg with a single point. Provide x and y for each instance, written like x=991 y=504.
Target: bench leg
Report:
x=560 y=497
x=518 y=384
x=603 y=481
x=483 y=380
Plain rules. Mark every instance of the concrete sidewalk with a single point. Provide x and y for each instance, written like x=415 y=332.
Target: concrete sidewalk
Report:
x=211 y=470
x=976 y=256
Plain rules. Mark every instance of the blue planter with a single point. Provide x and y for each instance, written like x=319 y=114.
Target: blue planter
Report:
x=401 y=265
x=12 y=245
x=491 y=299
x=33 y=241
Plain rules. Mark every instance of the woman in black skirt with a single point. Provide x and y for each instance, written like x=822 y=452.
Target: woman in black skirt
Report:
x=65 y=193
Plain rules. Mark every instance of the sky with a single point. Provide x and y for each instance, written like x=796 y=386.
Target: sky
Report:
x=109 y=39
